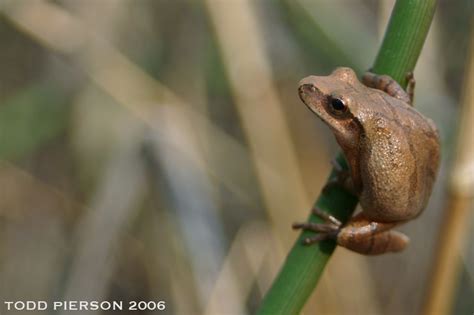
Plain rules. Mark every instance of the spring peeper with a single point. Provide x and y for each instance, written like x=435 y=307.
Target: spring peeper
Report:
x=392 y=151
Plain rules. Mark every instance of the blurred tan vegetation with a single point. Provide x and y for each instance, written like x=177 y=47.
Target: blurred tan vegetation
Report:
x=157 y=150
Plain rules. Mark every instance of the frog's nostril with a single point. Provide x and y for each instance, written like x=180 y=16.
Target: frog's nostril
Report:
x=308 y=88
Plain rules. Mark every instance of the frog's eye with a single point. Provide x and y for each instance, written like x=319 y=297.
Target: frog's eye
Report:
x=337 y=106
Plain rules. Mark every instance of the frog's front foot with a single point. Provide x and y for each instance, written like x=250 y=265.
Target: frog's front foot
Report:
x=411 y=82
x=342 y=179
x=328 y=230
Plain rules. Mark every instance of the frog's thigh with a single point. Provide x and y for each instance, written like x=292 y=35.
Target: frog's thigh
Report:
x=370 y=238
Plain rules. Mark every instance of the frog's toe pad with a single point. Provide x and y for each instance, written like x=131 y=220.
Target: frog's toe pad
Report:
x=324 y=230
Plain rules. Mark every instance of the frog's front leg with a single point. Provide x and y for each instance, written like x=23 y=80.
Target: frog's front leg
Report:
x=390 y=86
x=359 y=234
x=342 y=179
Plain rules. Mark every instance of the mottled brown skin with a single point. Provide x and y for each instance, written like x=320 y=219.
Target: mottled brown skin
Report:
x=392 y=151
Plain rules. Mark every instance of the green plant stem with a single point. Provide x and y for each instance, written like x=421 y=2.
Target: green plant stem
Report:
x=401 y=47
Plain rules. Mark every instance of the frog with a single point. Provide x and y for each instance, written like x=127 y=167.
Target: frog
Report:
x=392 y=152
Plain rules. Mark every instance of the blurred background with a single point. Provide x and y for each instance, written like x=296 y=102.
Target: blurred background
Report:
x=157 y=150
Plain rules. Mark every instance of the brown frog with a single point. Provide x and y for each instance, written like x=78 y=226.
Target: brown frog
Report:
x=392 y=151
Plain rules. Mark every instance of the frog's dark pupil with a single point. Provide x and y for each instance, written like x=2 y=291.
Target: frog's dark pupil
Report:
x=338 y=104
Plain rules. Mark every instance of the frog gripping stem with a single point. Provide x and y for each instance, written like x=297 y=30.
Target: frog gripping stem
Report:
x=304 y=266
x=327 y=230
x=359 y=235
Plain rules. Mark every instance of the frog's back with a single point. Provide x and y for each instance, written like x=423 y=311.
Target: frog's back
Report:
x=400 y=163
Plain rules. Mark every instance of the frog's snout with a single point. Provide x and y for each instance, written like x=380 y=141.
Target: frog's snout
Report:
x=309 y=93
x=307 y=89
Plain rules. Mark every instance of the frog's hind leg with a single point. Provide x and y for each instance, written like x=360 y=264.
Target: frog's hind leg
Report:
x=359 y=234
x=371 y=238
x=381 y=243
x=390 y=86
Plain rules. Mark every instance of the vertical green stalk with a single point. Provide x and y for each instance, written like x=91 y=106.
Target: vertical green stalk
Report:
x=401 y=47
